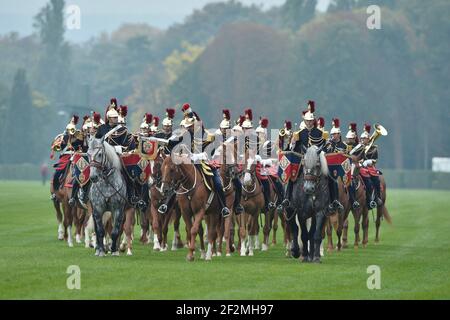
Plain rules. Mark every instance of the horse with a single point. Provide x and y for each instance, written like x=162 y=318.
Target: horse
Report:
x=194 y=199
x=253 y=203
x=66 y=217
x=336 y=220
x=310 y=199
x=107 y=193
x=270 y=220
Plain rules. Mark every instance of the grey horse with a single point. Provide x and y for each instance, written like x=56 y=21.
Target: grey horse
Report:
x=108 y=191
x=310 y=199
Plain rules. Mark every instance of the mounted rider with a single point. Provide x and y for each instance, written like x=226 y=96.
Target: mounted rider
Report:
x=86 y=128
x=200 y=139
x=335 y=145
x=68 y=142
x=121 y=140
x=368 y=157
x=301 y=141
x=223 y=138
x=351 y=142
x=267 y=169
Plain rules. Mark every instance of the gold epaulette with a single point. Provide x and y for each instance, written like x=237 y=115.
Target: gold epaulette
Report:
x=210 y=137
x=296 y=135
x=325 y=135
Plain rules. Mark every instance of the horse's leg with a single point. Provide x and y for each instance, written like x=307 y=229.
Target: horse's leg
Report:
x=212 y=234
x=339 y=227
x=88 y=230
x=275 y=228
x=266 y=230
x=145 y=224
x=78 y=219
x=378 y=224
x=311 y=240
x=317 y=239
x=357 y=218
x=67 y=222
x=118 y=214
x=128 y=228
x=156 y=229
x=59 y=218
x=99 y=233
x=178 y=243
x=198 y=217
x=293 y=228
x=345 y=233
x=165 y=228
x=365 y=226
x=304 y=237
x=241 y=219
x=329 y=230
x=201 y=236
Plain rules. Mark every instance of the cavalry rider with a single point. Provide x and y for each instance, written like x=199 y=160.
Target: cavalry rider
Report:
x=85 y=130
x=302 y=140
x=123 y=111
x=154 y=126
x=368 y=171
x=144 y=128
x=335 y=145
x=264 y=165
x=122 y=141
x=284 y=136
x=72 y=140
x=224 y=137
x=194 y=127
x=351 y=142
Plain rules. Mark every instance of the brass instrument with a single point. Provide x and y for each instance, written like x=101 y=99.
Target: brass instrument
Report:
x=56 y=144
x=379 y=131
x=282 y=132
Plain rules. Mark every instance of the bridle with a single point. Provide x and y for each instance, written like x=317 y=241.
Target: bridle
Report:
x=179 y=184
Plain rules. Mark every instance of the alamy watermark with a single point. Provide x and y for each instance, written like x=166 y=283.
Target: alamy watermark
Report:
x=374 y=20
x=374 y=280
x=73 y=17
x=74 y=279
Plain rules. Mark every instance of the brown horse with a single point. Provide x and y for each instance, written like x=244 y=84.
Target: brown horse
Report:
x=253 y=203
x=63 y=195
x=336 y=220
x=269 y=220
x=159 y=223
x=194 y=198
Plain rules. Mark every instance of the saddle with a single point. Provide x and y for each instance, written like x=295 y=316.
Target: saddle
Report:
x=136 y=167
x=207 y=174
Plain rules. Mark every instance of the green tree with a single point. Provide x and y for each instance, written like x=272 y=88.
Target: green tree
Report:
x=296 y=13
x=54 y=77
x=18 y=126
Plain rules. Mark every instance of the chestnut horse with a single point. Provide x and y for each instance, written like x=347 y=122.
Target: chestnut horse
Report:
x=194 y=199
x=253 y=203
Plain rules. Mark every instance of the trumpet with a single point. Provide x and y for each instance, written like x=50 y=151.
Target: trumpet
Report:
x=379 y=131
x=56 y=145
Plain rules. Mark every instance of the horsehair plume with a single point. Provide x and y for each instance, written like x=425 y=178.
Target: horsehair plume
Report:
x=367 y=127
x=85 y=118
x=336 y=123
x=113 y=100
x=148 y=118
x=170 y=113
x=321 y=122
x=186 y=107
x=97 y=117
x=227 y=114
x=241 y=120
x=156 y=121
x=353 y=126
x=311 y=106
x=288 y=124
x=75 y=119
x=249 y=112
x=303 y=113
x=123 y=111
x=264 y=122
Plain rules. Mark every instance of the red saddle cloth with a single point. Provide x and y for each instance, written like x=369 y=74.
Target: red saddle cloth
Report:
x=63 y=162
x=370 y=171
x=137 y=168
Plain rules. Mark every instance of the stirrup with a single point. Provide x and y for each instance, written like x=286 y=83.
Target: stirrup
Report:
x=53 y=197
x=272 y=206
x=225 y=212
x=338 y=205
x=286 y=203
x=238 y=209
x=372 y=204
x=72 y=201
x=355 y=205
x=280 y=209
x=162 y=209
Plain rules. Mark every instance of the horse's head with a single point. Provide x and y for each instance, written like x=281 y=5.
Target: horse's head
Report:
x=314 y=167
x=171 y=174
x=102 y=159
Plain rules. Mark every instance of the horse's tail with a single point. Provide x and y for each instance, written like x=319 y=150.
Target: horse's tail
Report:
x=386 y=215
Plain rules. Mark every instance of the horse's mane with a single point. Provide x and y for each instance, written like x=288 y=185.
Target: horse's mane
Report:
x=311 y=157
x=112 y=156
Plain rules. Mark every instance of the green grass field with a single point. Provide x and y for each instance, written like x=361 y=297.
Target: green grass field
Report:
x=413 y=255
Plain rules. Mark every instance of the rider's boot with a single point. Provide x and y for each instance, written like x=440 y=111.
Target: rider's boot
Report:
x=238 y=208
x=377 y=187
x=221 y=195
x=286 y=202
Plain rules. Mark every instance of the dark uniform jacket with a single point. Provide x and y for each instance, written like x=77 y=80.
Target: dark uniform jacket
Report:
x=307 y=138
x=73 y=143
x=335 y=147
x=119 y=138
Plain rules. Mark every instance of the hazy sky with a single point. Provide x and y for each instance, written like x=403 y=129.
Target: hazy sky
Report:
x=107 y=15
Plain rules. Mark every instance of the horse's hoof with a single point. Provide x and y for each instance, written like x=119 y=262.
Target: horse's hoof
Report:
x=190 y=258
x=129 y=253
x=264 y=247
x=70 y=244
x=219 y=254
x=316 y=260
x=202 y=255
x=250 y=253
x=295 y=253
x=214 y=254
x=101 y=254
x=115 y=253
x=228 y=255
